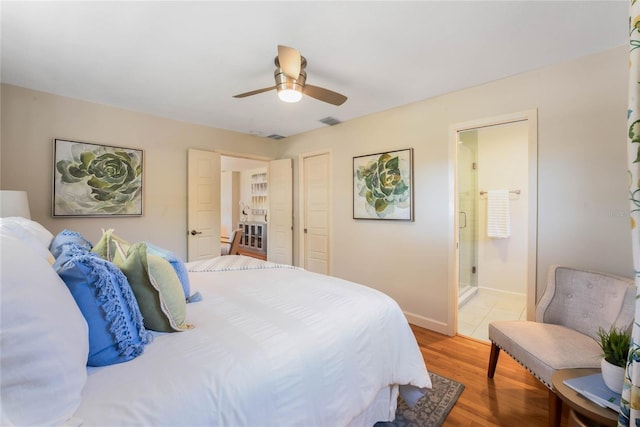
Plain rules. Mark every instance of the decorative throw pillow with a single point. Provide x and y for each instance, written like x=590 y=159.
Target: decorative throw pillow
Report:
x=101 y=290
x=31 y=233
x=106 y=246
x=65 y=237
x=176 y=263
x=157 y=289
x=43 y=338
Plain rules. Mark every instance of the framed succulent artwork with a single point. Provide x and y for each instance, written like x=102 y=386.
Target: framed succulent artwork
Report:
x=383 y=185
x=96 y=180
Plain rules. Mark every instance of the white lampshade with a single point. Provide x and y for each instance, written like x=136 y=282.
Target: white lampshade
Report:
x=14 y=203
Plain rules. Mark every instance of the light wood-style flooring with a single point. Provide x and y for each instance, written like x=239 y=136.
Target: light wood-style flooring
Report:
x=513 y=398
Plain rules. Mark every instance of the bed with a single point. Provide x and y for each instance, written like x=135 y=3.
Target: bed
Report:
x=260 y=344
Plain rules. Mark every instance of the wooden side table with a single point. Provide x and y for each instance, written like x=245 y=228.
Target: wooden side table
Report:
x=583 y=412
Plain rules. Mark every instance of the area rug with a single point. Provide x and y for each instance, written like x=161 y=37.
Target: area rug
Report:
x=432 y=409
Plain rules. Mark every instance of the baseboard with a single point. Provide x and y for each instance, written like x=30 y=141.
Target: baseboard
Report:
x=425 y=322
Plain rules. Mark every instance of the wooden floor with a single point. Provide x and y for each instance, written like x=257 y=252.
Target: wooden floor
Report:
x=513 y=398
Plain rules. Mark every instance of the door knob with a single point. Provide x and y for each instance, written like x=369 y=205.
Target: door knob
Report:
x=194 y=232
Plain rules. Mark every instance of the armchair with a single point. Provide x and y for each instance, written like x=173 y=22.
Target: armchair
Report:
x=564 y=335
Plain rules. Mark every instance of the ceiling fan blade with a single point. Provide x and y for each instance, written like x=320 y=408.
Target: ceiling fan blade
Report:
x=289 y=59
x=254 y=92
x=323 y=94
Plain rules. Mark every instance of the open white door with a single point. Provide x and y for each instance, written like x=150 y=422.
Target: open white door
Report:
x=280 y=219
x=203 y=200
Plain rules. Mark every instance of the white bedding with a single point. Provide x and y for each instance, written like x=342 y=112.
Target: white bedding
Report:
x=270 y=347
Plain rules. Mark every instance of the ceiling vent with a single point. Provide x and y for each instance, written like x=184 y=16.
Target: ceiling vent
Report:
x=330 y=121
x=276 y=136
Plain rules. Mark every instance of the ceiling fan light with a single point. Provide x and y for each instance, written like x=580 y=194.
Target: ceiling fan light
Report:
x=290 y=95
x=289 y=90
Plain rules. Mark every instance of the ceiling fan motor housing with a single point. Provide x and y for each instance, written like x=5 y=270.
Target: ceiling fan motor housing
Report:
x=284 y=82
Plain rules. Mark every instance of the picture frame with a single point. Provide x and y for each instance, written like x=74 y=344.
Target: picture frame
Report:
x=96 y=180
x=383 y=186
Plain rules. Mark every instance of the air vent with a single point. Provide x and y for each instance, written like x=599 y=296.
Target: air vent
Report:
x=276 y=136
x=330 y=121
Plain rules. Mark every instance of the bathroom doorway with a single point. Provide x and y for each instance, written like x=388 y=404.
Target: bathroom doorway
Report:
x=495 y=186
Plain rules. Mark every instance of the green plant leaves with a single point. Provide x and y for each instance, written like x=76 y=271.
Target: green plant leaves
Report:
x=615 y=345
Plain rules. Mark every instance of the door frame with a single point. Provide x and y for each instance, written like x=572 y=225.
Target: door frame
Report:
x=531 y=116
x=228 y=153
x=221 y=153
x=301 y=207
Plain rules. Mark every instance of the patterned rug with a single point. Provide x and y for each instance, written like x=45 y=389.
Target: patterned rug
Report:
x=432 y=409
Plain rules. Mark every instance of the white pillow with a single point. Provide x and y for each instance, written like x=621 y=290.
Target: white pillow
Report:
x=30 y=233
x=43 y=337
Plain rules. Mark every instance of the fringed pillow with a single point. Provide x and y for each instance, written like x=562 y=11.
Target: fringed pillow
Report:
x=66 y=237
x=101 y=290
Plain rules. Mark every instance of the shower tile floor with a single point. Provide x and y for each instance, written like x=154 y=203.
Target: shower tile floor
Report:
x=486 y=306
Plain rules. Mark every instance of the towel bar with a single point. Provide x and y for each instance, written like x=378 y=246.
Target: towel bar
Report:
x=482 y=193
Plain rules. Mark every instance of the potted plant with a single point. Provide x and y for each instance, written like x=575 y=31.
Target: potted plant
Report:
x=615 y=345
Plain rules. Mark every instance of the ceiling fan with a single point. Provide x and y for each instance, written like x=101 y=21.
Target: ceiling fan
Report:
x=291 y=80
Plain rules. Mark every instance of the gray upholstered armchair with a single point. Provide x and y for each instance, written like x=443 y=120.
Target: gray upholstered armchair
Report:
x=574 y=305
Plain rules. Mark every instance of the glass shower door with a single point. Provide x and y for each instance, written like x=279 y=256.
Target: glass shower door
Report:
x=467 y=214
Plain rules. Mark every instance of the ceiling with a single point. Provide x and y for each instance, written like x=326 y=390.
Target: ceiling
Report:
x=185 y=60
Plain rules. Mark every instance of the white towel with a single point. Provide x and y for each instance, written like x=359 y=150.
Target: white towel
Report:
x=498 y=215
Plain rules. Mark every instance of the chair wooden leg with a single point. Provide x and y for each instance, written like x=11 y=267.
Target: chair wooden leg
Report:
x=493 y=360
x=555 y=409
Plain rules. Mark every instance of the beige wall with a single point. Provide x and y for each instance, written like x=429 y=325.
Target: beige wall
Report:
x=31 y=120
x=582 y=180
x=583 y=218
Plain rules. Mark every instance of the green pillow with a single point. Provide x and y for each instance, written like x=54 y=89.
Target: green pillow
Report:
x=156 y=287
x=106 y=246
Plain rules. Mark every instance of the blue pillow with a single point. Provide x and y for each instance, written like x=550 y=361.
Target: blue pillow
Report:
x=176 y=263
x=66 y=237
x=101 y=290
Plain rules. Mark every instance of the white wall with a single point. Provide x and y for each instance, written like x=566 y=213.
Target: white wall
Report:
x=31 y=120
x=582 y=179
x=502 y=165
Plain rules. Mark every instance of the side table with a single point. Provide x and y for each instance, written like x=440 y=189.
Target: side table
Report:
x=583 y=412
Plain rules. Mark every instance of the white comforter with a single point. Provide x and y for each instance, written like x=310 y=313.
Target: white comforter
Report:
x=271 y=347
